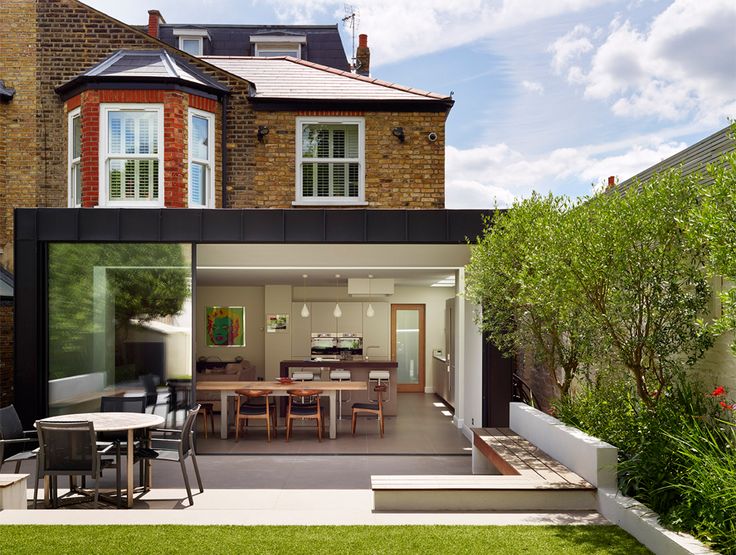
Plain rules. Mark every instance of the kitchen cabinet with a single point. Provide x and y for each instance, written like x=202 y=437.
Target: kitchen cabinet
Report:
x=323 y=319
x=300 y=330
x=351 y=320
x=377 y=331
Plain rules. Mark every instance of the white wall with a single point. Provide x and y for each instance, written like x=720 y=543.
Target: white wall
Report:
x=432 y=297
x=277 y=345
x=253 y=299
x=472 y=407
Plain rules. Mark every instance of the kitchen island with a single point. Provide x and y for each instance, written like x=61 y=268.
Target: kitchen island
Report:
x=359 y=369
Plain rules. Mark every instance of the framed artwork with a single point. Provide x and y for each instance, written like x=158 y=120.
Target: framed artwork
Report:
x=225 y=326
x=277 y=323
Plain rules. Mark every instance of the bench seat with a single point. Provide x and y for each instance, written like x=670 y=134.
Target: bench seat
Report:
x=509 y=474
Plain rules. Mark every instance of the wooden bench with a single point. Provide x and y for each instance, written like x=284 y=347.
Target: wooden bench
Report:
x=517 y=476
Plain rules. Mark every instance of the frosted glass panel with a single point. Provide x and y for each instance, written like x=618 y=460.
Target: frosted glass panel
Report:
x=407 y=345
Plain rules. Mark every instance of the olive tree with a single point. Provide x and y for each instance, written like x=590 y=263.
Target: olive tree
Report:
x=640 y=277
x=715 y=221
x=518 y=276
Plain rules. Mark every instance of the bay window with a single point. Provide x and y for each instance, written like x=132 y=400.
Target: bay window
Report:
x=131 y=155
x=75 y=158
x=330 y=161
x=201 y=159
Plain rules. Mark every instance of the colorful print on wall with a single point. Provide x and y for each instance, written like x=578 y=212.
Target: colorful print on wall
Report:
x=277 y=323
x=225 y=326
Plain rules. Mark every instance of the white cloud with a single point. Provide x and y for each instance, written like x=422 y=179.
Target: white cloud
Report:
x=410 y=28
x=683 y=66
x=533 y=86
x=570 y=47
x=492 y=175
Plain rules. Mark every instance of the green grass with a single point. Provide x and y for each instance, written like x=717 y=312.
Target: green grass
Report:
x=506 y=540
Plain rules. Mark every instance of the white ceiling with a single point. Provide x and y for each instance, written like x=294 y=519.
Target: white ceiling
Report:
x=317 y=277
x=409 y=265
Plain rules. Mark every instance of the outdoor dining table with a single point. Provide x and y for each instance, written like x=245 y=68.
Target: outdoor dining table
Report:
x=330 y=389
x=116 y=422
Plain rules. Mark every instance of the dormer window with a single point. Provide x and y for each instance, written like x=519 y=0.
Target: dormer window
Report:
x=278 y=45
x=191 y=41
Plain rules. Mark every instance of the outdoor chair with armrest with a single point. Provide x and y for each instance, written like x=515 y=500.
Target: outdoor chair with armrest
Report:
x=176 y=445
x=69 y=449
x=14 y=440
x=149 y=384
x=120 y=439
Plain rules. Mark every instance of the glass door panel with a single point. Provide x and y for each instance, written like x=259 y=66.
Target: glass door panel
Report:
x=408 y=345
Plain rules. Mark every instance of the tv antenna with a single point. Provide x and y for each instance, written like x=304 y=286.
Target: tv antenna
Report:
x=351 y=21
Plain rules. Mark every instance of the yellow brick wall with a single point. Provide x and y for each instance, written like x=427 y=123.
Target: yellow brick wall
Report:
x=21 y=175
x=397 y=175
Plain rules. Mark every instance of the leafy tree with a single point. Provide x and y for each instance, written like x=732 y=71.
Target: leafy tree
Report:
x=518 y=275
x=641 y=279
x=715 y=220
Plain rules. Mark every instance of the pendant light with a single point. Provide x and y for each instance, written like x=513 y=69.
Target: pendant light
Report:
x=337 y=313
x=305 y=308
x=370 y=313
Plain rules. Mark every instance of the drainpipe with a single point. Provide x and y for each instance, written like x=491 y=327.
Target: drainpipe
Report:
x=224 y=151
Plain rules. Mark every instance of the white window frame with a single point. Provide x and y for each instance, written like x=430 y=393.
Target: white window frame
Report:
x=72 y=161
x=200 y=40
x=210 y=162
x=264 y=48
x=104 y=201
x=192 y=34
x=332 y=201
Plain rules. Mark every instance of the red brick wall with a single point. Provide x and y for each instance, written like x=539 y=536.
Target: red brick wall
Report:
x=175 y=106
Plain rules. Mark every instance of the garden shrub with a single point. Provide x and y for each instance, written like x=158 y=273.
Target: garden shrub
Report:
x=676 y=457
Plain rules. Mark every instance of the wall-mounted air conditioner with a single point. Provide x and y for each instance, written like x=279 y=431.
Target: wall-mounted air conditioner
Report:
x=358 y=287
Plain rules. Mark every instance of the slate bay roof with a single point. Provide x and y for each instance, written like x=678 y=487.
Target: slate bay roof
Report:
x=290 y=78
x=137 y=66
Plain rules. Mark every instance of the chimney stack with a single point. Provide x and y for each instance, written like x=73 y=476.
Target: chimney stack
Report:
x=154 y=20
x=363 y=56
x=611 y=182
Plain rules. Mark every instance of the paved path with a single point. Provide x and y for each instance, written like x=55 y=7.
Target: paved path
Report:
x=276 y=506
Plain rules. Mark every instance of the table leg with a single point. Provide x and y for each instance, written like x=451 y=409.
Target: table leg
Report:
x=129 y=469
x=333 y=414
x=224 y=408
x=148 y=467
x=47 y=491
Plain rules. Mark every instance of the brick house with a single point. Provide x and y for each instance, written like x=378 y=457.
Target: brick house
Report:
x=144 y=135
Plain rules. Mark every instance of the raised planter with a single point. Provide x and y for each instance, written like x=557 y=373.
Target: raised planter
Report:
x=596 y=461
x=13 y=492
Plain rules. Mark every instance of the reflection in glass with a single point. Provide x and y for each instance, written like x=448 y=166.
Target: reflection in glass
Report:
x=116 y=312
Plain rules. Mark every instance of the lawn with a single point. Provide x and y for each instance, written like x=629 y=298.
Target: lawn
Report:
x=506 y=540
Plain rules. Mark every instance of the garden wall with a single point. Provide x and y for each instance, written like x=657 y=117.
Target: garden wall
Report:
x=596 y=461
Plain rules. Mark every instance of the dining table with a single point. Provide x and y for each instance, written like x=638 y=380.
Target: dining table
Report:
x=117 y=422
x=280 y=389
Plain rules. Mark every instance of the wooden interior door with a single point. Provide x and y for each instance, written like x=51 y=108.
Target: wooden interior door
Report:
x=408 y=345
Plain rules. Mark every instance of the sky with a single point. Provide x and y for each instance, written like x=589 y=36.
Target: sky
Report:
x=550 y=96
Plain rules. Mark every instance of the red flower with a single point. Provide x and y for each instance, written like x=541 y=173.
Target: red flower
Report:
x=726 y=406
x=718 y=391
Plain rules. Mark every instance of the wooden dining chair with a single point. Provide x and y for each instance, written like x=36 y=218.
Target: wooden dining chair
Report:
x=374 y=407
x=249 y=410
x=304 y=404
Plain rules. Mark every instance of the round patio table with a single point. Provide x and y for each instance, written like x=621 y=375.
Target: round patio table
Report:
x=116 y=422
